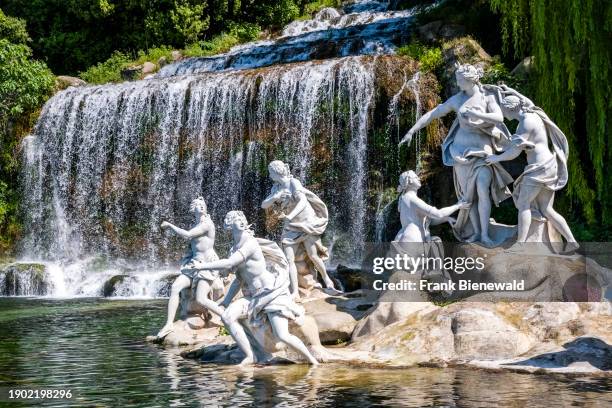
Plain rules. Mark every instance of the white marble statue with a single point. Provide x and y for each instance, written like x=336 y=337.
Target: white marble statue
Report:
x=477 y=132
x=262 y=273
x=546 y=171
x=416 y=215
x=202 y=238
x=304 y=218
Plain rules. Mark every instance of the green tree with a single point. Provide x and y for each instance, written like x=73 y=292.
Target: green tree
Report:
x=189 y=20
x=24 y=86
x=570 y=42
x=13 y=29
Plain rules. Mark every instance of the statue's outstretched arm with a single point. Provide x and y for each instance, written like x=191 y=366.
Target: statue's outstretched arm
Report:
x=439 y=111
x=439 y=214
x=186 y=234
x=520 y=142
x=222 y=264
x=511 y=153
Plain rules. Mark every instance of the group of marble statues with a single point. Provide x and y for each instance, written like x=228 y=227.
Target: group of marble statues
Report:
x=475 y=145
x=264 y=273
x=478 y=141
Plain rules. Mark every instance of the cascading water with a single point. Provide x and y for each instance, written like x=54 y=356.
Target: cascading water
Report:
x=362 y=28
x=105 y=165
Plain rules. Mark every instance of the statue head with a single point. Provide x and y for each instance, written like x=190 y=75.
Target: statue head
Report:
x=511 y=105
x=408 y=181
x=467 y=76
x=237 y=219
x=278 y=170
x=198 y=205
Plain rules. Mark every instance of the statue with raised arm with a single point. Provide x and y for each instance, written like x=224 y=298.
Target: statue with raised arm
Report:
x=416 y=215
x=201 y=239
x=546 y=171
x=477 y=132
x=262 y=274
x=304 y=218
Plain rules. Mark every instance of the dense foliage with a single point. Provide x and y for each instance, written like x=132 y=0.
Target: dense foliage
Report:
x=24 y=85
x=73 y=35
x=570 y=42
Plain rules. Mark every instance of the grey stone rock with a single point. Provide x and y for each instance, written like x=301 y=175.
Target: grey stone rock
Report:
x=65 y=81
x=148 y=67
x=176 y=55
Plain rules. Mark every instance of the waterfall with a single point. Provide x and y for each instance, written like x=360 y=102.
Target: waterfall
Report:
x=105 y=165
x=361 y=28
x=413 y=84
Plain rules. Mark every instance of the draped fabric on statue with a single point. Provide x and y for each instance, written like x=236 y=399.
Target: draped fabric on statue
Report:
x=465 y=181
x=277 y=298
x=296 y=231
x=551 y=174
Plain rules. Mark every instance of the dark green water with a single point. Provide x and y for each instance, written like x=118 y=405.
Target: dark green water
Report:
x=96 y=348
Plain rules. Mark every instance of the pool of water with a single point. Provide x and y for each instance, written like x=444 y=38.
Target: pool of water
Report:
x=96 y=348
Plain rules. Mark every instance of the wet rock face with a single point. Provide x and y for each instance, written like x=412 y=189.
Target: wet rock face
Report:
x=23 y=279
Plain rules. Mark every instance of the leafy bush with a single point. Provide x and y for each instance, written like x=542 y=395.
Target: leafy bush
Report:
x=107 y=71
x=245 y=32
x=313 y=7
x=430 y=58
x=24 y=83
x=153 y=55
x=13 y=29
x=217 y=45
x=497 y=73
x=239 y=33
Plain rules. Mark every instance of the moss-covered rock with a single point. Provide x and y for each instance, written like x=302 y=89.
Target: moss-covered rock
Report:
x=23 y=279
x=110 y=286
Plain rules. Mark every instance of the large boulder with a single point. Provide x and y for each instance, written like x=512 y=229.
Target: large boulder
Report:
x=494 y=335
x=336 y=318
x=148 y=68
x=464 y=50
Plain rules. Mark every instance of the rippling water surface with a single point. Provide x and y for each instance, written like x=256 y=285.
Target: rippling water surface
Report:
x=96 y=348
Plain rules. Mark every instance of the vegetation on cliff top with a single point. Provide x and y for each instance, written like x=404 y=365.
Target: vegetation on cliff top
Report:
x=73 y=35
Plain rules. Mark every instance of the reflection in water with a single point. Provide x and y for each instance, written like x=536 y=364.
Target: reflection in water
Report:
x=95 y=347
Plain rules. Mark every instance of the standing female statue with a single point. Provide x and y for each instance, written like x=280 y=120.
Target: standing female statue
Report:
x=305 y=220
x=477 y=132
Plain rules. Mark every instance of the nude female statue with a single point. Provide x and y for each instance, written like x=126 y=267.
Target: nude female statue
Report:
x=201 y=248
x=261 y=273
x=546 y=170
x=305 y=219
x=477 y=132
